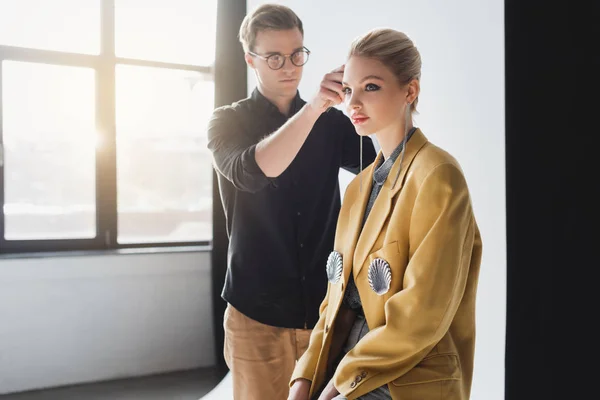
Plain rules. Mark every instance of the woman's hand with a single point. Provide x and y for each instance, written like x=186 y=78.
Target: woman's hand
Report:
x=329 y=392
x=299 y=390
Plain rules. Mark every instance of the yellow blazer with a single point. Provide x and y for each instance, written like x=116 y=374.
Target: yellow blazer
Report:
x=422 y=331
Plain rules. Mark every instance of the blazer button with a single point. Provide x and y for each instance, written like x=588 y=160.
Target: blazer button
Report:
x=358 y=378
x=363 y=374
x=353 y=384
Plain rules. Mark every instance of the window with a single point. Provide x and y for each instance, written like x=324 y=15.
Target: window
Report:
x=60 y=25
x=49 y=151
x=102 y=123
x=162 y=161
x=177 y=31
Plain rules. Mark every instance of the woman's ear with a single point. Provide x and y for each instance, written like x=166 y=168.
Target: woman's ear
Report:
x=414 y=88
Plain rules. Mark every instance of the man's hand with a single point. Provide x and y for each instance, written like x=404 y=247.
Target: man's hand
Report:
x=330 y=92
x=299 y=390
x=329 y=392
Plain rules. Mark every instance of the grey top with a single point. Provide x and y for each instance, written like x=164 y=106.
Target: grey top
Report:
x=382 y=170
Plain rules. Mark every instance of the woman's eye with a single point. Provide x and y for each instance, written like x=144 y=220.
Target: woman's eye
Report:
x=371 y=87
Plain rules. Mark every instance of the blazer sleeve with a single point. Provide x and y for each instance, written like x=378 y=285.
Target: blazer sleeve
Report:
x=441 y=238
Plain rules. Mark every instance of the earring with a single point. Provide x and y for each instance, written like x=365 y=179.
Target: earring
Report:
x=360 y=161
x=406 y=120
x=407 y=116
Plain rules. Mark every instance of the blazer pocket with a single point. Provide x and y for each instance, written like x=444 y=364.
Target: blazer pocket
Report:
x=439 y=367
x=389 y=252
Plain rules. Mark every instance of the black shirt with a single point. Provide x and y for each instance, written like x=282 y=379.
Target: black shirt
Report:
x=282 y=229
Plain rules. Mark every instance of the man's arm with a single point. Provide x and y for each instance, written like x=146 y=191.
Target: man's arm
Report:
x=249 y=166
x=277 y=151
x=233 y=153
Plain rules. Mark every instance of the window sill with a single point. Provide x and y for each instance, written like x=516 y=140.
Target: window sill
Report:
x=112 y=252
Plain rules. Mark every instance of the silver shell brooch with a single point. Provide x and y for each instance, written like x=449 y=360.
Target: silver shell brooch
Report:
x=380 y=276
x=334 y=267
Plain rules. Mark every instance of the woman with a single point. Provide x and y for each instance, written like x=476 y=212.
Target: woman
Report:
x=398 y=320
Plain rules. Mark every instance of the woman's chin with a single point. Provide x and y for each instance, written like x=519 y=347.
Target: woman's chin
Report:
x=361 y=131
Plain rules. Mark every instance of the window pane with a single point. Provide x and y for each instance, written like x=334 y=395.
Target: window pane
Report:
x=176 y=31
x=49 y=138
x=62 y=25
x=164 y=170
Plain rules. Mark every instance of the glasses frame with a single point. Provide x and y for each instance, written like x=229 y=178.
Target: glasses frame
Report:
x=285 y=57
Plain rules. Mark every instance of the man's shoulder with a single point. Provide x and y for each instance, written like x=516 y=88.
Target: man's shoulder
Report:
x=228 y=118
x=234 y=109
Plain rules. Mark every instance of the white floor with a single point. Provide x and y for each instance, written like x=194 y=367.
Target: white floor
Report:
x=223 y=391
x=200 y=384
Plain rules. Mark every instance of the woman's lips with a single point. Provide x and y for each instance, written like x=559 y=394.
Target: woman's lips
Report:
x=359 y=120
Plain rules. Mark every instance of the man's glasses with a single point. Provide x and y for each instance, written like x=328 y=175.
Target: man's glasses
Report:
x=277 y=61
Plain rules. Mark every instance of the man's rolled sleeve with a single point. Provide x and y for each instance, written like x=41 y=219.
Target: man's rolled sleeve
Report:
x=234 y=152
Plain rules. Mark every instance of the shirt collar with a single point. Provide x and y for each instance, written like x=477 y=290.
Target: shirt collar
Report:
x=383 y=168
x=265 y=105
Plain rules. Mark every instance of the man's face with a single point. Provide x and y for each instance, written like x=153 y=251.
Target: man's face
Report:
x=283 y=81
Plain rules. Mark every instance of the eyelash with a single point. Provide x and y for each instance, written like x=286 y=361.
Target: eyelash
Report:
x=373 y=86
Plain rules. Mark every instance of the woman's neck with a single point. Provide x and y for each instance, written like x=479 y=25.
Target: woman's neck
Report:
x=389 y=140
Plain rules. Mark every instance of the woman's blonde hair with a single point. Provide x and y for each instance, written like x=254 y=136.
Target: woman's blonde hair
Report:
x=393 y=49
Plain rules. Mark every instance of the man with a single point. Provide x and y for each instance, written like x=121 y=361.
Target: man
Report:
x=278 y=160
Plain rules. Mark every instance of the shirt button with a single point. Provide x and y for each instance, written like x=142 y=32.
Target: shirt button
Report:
x=303 y=278
x=301 y=244
x=299 y=213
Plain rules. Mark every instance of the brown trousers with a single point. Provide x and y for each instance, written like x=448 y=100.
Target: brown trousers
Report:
x=261 y=358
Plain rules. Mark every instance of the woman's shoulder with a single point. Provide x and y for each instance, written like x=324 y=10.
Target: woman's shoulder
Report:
x=432 y=157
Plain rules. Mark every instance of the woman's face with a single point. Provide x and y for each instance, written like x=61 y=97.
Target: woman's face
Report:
x=374 y=98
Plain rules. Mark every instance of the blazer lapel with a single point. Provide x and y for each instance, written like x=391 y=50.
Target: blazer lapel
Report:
x=383 y=204
x=357 y=212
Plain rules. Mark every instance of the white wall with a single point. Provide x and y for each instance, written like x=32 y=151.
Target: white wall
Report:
x=90 y=318
x=461 y=109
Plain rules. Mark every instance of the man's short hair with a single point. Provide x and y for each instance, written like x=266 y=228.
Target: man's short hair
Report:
x=267 y=17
